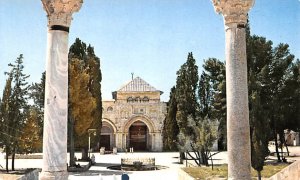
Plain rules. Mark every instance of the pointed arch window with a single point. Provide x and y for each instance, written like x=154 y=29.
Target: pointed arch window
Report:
x=130 y=99
x=109 y=109
x=145 y=99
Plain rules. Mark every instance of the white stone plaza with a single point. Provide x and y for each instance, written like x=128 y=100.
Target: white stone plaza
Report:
x=168 y=160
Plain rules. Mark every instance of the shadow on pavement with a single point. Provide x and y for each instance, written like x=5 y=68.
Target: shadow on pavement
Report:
x=105 y=164
x=102 y=172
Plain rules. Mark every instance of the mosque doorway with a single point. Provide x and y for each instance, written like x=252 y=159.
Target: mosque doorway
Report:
x=107 y=136
x=138 y=136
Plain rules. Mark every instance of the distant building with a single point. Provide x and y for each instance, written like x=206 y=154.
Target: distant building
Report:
x=291 y=137
x=134 y=118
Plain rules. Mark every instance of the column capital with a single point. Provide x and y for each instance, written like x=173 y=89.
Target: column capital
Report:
x=59 y=12
x=233 y=11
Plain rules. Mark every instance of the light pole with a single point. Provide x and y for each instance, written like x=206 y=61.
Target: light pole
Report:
x=90 y=131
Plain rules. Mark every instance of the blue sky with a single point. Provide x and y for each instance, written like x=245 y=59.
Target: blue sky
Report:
x=150 y=38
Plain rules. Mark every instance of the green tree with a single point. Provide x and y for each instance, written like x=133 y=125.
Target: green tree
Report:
x=18 y=102
x=170 y=128
x=93 y=69
x=37 y=94
x=186 y=88
x=277 y=75
x=259 y=56
x=291 y=89
x=5 y=119
x=31 y=139
x=271 y=98
x=82 y=60
x=259 y=135
x=196 y=129
x=212 y=95
x=198 y=146
x=205 y=95
x=81 y=103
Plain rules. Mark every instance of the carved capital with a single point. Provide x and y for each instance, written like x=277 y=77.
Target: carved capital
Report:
x=233 y=11
x=59 y=12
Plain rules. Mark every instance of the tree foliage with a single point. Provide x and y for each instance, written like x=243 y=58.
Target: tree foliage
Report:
x=85 y=100
x=31 y=139
x=6 y=134
x=272 y=97
x=14 y=102
x=82 y=102
x=198 y=146
x=37 y=94
x=259 y=56
x=170 y=128
x=186 y=88
x=191 y=106
x=212 y=96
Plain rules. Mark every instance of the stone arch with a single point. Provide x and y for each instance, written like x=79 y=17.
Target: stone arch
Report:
x=107 y=137
x=141 y=118
x=105 y=120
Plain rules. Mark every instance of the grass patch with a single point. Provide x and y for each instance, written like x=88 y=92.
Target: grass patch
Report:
x=221 y=171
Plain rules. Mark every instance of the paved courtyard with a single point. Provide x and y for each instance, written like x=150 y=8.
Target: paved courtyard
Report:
x=169 y=160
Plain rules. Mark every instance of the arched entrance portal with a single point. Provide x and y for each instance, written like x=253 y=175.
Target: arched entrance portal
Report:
x=107 y=138
x=138 y=133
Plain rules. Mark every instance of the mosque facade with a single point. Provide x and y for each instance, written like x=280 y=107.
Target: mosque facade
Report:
x=134 y=118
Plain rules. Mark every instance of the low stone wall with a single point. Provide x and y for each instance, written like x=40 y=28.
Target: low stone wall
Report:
x=26 y=156
x=32 y=175
x=145 y=161
x=291 y=172
x=182 y=175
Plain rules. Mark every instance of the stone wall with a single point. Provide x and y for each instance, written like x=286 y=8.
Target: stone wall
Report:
x=291 y=172
x=32 y=175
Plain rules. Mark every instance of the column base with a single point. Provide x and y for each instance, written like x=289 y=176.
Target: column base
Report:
x=55 y=175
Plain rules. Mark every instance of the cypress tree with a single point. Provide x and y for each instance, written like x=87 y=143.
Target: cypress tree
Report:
x=170 y=129
x=186 y=88
x=18 y=102
x=84 y=66
x=5 y=123
x=212 y=96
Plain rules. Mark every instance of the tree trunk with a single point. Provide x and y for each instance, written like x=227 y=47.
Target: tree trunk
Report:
x=72 y=150
x=6 y=153
x=287 y=149
x=212 y=163
x=84 y=154
x=284 y=143
x=276 y=147
x=259 y=175
x=204 y=158
x=181 y=156
x=13 y=158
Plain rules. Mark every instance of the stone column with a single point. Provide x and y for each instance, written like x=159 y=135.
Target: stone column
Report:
x=59 y=13
x=238 y=129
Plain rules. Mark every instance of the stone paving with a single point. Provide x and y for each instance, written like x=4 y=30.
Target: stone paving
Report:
x=167 y=159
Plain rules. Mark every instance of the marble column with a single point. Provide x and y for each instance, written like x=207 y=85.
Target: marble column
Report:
x=59 y=13
x=238 y=129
